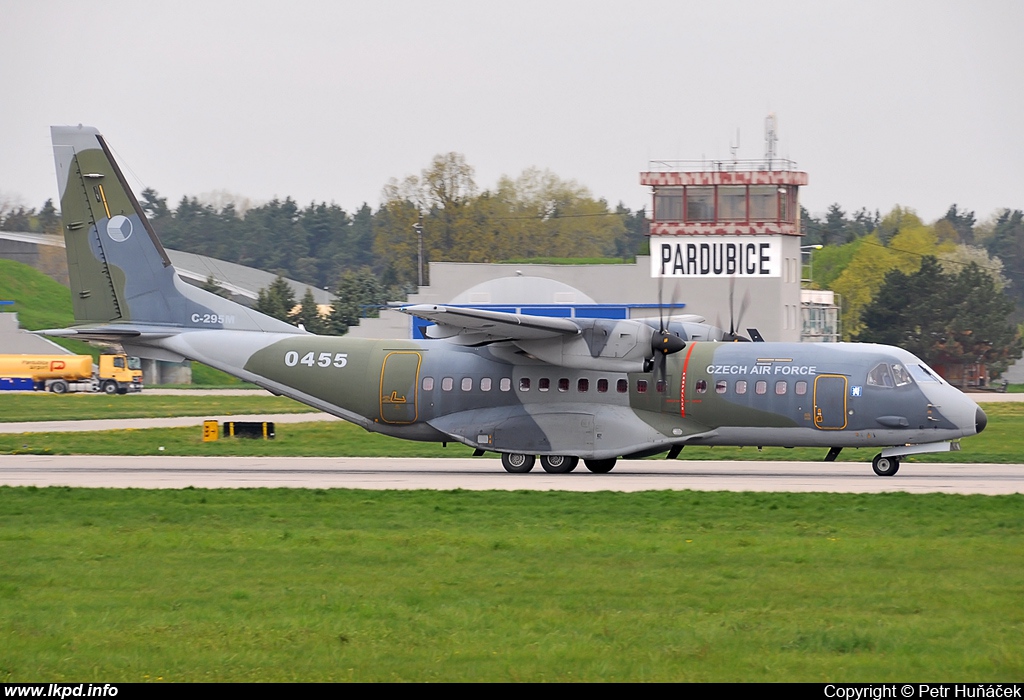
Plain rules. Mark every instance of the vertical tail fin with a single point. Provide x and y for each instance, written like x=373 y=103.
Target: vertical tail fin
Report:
x=119 y=271
x=109 y=240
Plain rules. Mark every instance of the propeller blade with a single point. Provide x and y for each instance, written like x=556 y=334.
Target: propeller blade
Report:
x=661 y=305
x=735 y=320
x=732 y=291
x=743 y=309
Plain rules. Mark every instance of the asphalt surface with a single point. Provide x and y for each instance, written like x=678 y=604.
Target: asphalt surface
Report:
x=166 y=471
x=483 y=474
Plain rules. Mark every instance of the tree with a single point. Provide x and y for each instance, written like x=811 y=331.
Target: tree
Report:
x=944 y=318
x=812 y=229
x=213 y=286
x=636 y=239
x=358 y=294
x=277 y=300
x=19 y=219
x=308 y=314
x=835 y=226
x=909 y=240
x=1006 y=242
x=154 y=205
x=48 y=219
x=962 y=223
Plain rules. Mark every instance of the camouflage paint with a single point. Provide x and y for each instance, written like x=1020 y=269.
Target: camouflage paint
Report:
x=452 y=389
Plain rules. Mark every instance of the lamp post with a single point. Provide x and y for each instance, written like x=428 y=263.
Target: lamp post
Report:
x=418 y=227
x=807 y=250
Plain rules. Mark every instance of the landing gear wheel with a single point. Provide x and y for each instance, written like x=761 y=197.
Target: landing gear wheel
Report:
x=516 y=463
x=600 y=466
x=558 y=464
x=109 y=387
x=885 y=466
x=59 y=387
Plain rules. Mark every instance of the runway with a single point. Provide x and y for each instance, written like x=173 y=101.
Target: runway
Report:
x=169 y=472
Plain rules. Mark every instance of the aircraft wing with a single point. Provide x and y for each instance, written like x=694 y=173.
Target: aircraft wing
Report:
x=613 y=345
x=479 y=327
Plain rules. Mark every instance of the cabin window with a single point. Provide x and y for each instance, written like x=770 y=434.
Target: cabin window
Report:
x=781 y=387
x=641 y=386
x=428 y=384
x=505 y=384
x=543 y=384
x=524 y=384
x=660 y=386
x=702 y=386
x=467 y=384
x=761 y=387
x=447 y=383
x=563 y=384
x=801 y=388
x=622 y=386
x=720 y=386
x=485 y=384
x=583 y=385
x=119 y=362
x=602 y=386
x=741 y=386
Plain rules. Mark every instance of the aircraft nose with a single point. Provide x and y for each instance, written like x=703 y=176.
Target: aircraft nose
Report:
x=980 y=420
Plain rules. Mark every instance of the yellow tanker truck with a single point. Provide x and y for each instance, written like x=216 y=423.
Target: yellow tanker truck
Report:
x=115 y=374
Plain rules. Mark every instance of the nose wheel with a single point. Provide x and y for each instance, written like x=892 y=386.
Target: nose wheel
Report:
x=885 y=466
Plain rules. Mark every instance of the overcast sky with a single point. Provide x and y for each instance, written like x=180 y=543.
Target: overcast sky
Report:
x=882 y=103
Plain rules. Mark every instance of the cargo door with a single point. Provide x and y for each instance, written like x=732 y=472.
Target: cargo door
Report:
x=830 y=401
x=399 y=380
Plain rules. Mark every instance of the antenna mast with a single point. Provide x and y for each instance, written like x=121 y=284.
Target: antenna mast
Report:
x=770 y=138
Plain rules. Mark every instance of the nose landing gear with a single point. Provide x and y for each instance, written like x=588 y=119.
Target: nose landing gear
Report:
x=885 y=466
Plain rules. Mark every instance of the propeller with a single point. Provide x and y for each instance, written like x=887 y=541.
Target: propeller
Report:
x=664 y=343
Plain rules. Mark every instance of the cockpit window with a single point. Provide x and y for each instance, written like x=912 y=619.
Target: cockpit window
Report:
x=901 y=376
x=889 y=376
x=880 y=376
x=923 y=373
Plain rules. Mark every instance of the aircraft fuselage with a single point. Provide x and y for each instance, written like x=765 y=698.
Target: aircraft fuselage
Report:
x=497 y=398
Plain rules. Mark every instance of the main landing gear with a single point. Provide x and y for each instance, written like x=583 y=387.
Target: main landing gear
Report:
x=885 y=466
x=516 y=463
x=558 y=464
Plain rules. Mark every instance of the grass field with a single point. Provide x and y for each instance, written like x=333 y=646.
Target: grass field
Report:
x=194 y=585
x=44 y=406
x=1002 y=441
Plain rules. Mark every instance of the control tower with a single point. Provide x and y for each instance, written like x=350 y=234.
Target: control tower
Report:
x=731 y=228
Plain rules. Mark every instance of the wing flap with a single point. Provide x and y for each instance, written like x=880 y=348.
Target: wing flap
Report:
x=479 y=327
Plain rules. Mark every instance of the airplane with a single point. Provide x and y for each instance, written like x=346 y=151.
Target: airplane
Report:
x=559 y=390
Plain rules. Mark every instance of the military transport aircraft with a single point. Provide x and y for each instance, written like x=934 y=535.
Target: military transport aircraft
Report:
x=561 y=389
